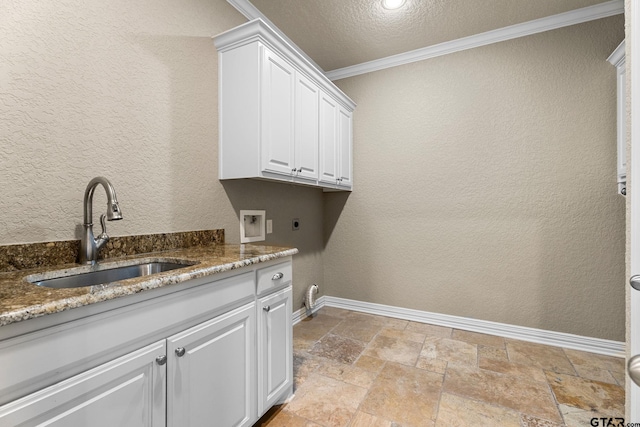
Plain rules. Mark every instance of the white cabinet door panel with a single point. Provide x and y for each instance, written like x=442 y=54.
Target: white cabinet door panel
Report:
x=277 y=114
x=275 y=373
x=213 y=382
x=345 y=147
x=127 y=392
x=328 y=139
x=306 y=128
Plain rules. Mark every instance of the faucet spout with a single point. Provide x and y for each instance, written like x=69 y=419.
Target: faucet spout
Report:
x=90 y=246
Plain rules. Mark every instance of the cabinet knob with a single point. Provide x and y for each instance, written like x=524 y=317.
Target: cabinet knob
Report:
x=267 y=308
x=277 y=276
x=161 y=360
x=180 y=351
x=294 y=170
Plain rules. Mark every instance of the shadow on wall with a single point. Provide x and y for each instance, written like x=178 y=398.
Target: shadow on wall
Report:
x=333 y=206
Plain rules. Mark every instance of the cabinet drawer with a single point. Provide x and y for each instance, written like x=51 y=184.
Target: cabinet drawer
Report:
x=273 y=277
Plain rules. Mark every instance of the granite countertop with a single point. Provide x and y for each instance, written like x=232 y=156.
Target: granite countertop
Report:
x=21 y=300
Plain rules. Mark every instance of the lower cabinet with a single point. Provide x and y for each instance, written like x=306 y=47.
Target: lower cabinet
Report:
x=224 y=372
x=210 y=372
x=128 y=392
x=275 y=361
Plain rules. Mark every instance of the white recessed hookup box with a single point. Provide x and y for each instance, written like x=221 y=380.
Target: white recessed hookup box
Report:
x=252 y=225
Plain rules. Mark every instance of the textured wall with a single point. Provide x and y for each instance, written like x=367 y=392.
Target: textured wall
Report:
x=485 y=186
x=127 y=90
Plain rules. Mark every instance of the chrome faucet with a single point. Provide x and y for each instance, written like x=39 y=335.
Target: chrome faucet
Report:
x=90 y=246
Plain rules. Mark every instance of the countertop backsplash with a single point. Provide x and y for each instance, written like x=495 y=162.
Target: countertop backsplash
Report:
x=34 y=255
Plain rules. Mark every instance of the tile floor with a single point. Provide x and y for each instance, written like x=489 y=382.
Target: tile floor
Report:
x=358 y=370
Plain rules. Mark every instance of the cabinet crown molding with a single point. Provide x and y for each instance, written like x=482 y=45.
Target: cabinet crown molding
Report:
x=617 y=57
x=257 y=29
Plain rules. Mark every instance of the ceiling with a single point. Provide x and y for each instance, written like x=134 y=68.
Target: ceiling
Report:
x=342 y=33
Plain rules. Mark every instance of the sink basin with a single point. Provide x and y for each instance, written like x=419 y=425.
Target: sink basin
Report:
x=109 y=275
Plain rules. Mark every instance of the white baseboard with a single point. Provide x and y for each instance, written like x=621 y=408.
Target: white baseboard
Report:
x=540 y=336
x=300 y=315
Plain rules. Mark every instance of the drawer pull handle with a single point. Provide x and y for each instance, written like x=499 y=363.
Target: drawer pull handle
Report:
x=277 y=276
x=180 y=351
x=161 y=360
x=267 y=308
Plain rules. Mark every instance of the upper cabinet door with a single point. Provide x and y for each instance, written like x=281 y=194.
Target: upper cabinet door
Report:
x=328 y=139
x=277 y=114
x=345 y=147
x=306 y=128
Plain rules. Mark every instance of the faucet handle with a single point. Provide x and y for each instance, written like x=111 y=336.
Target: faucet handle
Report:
x=103 y=224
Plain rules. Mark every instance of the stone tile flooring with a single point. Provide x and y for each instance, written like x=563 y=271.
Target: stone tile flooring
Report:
x=358 y=370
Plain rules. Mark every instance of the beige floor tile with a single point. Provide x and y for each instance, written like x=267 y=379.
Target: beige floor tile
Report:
x=341 y=349
x=485 y=352
x=304 y=364
x=586 y=394
x=450 y=350
x=396 y=323
x=530 y=421
x=596 y=367
x=369 y=363
x=429 y=330
x=333 y=311
x=620 y=378
x=348 y=373
x=326 y=401
x=405 y=395
x=542 y=356
x=302 y=345
x=477 y=338
x=529 y=397
x=358 y=329
x=595 y=374
x=365 y=420
x=455 y=411
x=393 y=350
x=282 y=418
x=576 y=417
x=434 y=365
x=596 y=361
x=403 y=334
x=526 y=372
x=314 y=328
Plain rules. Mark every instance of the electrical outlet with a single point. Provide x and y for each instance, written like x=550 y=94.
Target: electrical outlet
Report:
x=295 y=224
x=269 y=226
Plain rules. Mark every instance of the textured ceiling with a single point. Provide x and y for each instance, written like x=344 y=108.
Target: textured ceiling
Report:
x=340 y=33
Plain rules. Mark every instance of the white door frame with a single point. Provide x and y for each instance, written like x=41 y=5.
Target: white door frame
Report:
x=633 y=177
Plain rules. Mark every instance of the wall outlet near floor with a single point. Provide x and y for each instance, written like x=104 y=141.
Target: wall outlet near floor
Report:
x=269 y=226
x=295 y=224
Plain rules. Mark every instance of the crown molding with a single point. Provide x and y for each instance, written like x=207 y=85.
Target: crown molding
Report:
x=258 y=30
x=617 y=57
x=578 y=16
x=251 y=12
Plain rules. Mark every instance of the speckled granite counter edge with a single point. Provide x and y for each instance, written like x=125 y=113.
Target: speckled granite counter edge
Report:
x=122 y=288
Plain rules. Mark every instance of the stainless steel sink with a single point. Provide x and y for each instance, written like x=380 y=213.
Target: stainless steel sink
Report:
x=109 y=275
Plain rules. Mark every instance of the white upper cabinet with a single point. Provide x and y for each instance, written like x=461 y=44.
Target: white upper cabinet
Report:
x=273 y=116
x=335 y=144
